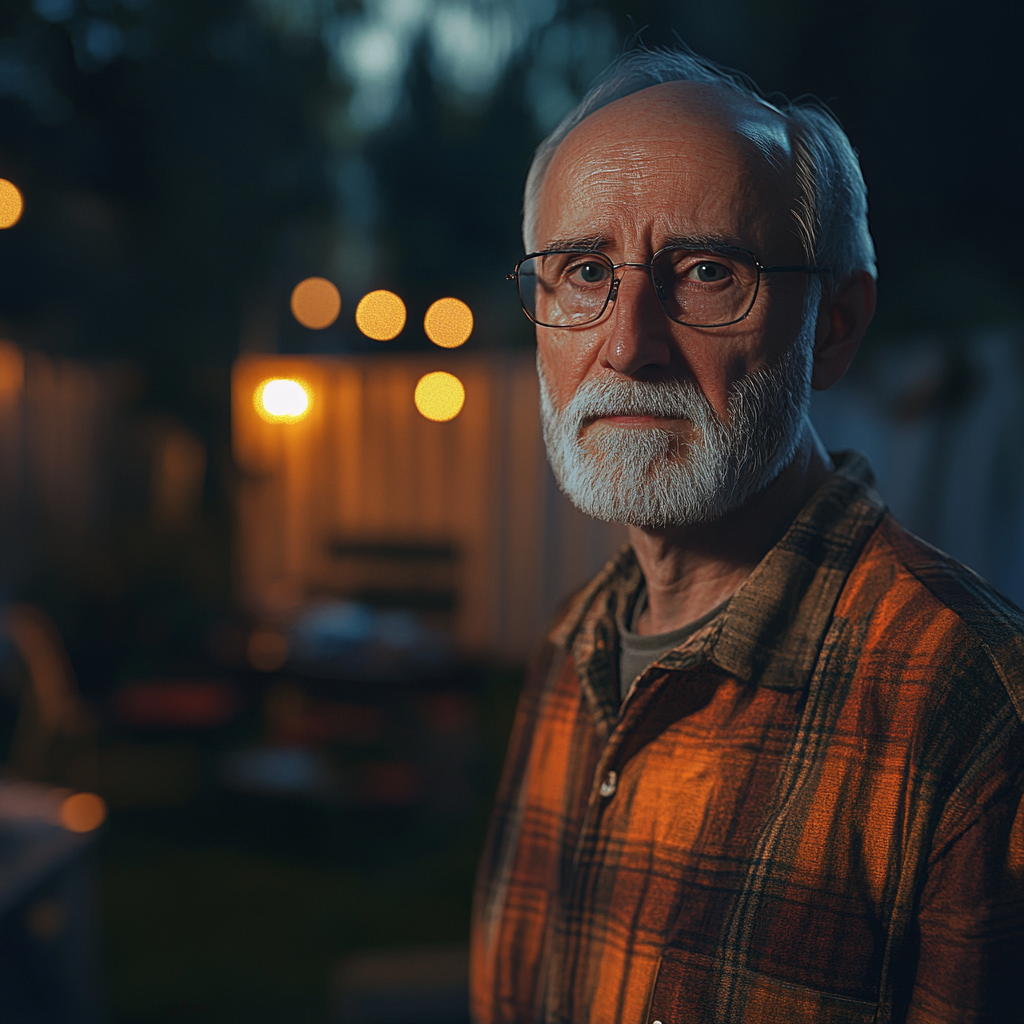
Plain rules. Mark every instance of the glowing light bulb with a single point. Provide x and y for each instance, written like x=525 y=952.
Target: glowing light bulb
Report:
x=11 y=204
x=282 y=400
x=380 y=315
x=448 y=323
x=316 y=303
x=439 y=396
x=83 y=812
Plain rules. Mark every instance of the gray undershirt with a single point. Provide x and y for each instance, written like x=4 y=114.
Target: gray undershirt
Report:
x=637 y=652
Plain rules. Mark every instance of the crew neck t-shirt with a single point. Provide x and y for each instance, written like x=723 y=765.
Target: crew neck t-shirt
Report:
x=637 y=652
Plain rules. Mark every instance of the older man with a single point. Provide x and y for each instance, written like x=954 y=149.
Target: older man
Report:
x=770 y=766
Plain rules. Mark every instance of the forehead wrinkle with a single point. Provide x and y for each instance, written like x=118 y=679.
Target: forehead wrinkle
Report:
x=609 y=180
x=611 y=215
x=709 y=125
x=625 y=168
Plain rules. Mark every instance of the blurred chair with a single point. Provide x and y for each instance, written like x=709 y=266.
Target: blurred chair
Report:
x=54 y=734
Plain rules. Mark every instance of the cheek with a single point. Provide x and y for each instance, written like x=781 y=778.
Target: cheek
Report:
x=566 y=359
x=719 y=361
x=782 y=316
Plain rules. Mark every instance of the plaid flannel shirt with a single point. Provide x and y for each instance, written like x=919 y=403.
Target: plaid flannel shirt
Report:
x=811 y=810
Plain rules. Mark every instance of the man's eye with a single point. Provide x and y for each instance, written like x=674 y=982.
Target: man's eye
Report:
x=591 y=273
x=708 y=272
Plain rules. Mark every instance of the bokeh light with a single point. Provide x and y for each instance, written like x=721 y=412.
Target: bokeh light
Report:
x=282 y=400
x=12 y=369
x=83 y=812
x=448 y=323
x=316 y=303
x=439 y=396
x=380 y=315
x=11 y=204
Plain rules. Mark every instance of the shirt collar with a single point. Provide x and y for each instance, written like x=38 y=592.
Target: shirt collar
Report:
x=771 y=632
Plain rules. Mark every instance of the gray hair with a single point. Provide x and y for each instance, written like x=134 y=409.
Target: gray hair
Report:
x=831 y=203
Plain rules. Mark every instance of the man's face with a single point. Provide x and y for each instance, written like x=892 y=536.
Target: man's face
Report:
x=637 y=402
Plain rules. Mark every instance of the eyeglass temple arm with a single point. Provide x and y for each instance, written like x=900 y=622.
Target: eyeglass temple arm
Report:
x=805 y=270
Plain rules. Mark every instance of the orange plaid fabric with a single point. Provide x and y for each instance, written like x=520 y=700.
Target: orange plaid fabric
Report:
x=811 y=810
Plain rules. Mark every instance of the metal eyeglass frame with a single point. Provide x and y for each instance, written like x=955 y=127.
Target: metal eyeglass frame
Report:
x=613 y=288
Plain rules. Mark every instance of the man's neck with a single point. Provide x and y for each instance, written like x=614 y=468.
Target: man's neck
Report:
x=691 y=569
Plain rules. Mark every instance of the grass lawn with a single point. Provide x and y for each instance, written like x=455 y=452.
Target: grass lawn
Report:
x=200 y=929
x=220 y=908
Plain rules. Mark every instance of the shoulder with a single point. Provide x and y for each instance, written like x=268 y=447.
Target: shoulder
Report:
x=930 y=615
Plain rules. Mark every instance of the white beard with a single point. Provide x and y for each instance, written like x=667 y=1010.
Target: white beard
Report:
x=647 y=477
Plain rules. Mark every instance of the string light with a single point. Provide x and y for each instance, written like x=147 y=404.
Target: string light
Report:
x=439 y=396
x=448 y=323
x=380 y=315
x=282 y=400
x=11 y=204
x=315 y=303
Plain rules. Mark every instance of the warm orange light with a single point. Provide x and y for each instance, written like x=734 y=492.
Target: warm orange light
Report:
x=316 y=303
x=11 y=204
x=439 y=396
x=380 y=315
x=282 y=400
x=448 y=323
x=12 y=369
x=83 y=812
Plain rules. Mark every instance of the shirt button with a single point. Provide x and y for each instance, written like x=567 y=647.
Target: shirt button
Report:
x=610 y=784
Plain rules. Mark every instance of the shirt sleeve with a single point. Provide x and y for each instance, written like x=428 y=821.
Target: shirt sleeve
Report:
x=970 y=925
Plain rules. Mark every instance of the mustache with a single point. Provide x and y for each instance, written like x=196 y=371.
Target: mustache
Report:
x=670 y=399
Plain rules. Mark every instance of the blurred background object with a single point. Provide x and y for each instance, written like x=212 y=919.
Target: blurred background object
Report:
x=49 y=934
x=276 y=532
x=365 y=498
x=52 y=736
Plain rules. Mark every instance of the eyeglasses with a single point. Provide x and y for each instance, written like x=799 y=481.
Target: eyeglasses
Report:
x=714 y=286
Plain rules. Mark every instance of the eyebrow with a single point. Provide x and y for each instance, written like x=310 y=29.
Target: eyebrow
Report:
x=702 y=242
x=590 y=243
x=597 y=243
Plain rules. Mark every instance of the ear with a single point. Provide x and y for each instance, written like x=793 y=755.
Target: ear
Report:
x=843 y=319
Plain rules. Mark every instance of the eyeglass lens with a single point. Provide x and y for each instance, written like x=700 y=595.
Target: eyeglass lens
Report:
x=694 y=286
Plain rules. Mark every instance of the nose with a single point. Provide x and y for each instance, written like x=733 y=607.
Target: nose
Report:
x=639 y=342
